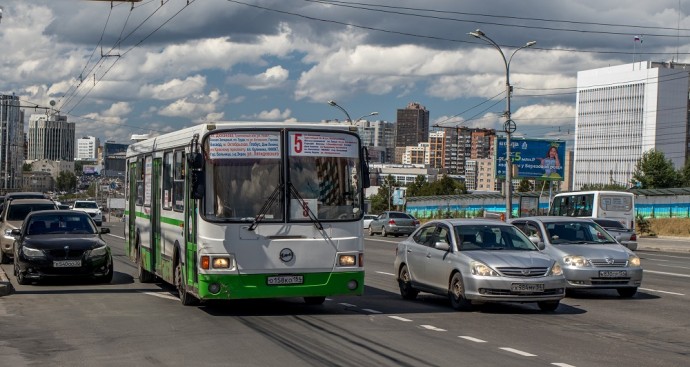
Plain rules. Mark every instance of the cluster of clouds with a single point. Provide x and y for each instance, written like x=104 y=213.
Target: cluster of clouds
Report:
x=115 y=72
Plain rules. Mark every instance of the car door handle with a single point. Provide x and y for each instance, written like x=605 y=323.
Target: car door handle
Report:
x=409 y=250
x=428 y=255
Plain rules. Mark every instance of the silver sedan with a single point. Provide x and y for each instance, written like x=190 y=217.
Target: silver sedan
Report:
x=477 y=261
x=590 y=257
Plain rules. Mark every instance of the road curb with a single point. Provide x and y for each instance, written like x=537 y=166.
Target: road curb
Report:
x=6 y=287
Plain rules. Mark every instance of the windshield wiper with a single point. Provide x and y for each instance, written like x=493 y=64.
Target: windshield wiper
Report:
x=306 y=207
x=267 y=205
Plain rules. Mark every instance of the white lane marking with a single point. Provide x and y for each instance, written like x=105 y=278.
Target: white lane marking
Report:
x=370 y=310
x=161 y=295
x=400 y=318
x=347 y=304
x=665 y=273
x=662 y=260
x=431 y=327
x=511 y=350
x=674 y=266
x=378 y=240
x=672 y=256
x=120 y=237
x=562 y=364
x=384 y=273
x=666 y=292
x=472 y=339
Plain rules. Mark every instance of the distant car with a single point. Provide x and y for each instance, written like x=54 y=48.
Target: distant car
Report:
x=477 y=261
x=626 y=236
x=90 y=207
x=61 y=243
x=589 y=256
x=393 y=223
x=13 y=214
x=368 y=218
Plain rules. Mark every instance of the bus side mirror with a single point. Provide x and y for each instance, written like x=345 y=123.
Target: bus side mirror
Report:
x=195 y=160
x=197 y=189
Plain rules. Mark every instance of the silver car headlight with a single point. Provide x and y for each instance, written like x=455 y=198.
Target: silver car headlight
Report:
x=556 y=269
x=98 y=251
x=574 y=260
x=481 y=269
x=633 y=260
x=32 y=252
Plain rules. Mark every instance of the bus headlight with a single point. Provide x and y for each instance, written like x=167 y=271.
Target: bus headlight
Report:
x=347 y=260
x=223 y=262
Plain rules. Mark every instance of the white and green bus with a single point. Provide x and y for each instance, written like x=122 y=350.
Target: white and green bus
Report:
x=616 y=205
x=240 y=210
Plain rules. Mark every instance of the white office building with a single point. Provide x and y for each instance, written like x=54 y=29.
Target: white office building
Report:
x=624 y=111
x=87 y=148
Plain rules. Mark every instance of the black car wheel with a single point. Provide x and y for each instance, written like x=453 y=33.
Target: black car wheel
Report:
x=186 y=298
x=406 y=289
x=456 y=293
x=4 y=259
x=627 y=292
x=109 y=277
x=548 y=306
x=21 y=278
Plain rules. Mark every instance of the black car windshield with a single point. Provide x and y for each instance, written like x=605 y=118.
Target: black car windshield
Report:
x=560 y=233
x=20 y=211
x=492 y=237
x=65 y=224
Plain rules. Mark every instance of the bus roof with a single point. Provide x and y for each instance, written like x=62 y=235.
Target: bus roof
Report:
x=608 y=192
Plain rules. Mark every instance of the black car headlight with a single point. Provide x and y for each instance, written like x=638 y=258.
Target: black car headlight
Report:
x=32 y=252
x=98 y=251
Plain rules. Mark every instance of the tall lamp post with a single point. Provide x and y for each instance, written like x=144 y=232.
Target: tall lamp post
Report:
x=509 y=126
x=349 y=120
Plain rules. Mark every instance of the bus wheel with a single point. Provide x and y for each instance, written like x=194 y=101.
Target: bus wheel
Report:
x=314 y=300
x=144 y=275
x=186 y=298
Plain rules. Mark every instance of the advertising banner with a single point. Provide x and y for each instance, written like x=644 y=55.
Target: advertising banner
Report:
x=540 y=159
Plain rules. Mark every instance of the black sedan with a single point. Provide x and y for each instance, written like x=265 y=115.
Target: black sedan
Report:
x=60 y=243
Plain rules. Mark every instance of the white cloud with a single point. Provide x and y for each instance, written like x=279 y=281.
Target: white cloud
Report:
x=273 y=77
x=194 y=107
x=175 y=88
x=272 y=115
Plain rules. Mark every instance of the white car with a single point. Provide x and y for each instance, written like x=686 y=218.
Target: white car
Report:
x=90 y=207
x=367 y=220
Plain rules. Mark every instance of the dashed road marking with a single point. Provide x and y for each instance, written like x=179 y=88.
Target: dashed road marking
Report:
x=431 y=327
x=370 y=310
x=161 y=295
x=516 y=351
x=384 y=273
x=400 y=318
x=658 y=291
x=472 y=339
x=347 y=304
x=562 y=364
x=665 y=273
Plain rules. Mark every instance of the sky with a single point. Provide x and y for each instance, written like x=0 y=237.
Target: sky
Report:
x=151 y=67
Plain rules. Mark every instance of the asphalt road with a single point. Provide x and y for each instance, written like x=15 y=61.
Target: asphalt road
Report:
x=135 y=324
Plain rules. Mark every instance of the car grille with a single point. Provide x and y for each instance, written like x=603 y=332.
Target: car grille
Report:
x=523 y=272
x=70 y=254
x=609 y=281
x=610 y=263
x=92 y=215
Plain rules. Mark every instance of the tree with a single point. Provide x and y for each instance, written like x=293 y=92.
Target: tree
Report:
x=654 y=171
x=525 y=185
x=381 y=201
x=415 y=188
x=447 y=186
x=66 y=181
x=609 y=186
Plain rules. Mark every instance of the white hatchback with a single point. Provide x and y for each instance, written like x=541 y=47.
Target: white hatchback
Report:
x=90 y=207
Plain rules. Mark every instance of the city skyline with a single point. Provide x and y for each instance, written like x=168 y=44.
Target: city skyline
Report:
x=116 y=72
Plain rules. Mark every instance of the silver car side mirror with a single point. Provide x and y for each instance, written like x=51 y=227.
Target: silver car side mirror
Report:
x=443 y=246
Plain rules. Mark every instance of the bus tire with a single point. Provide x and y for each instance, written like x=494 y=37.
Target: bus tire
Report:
x=186 y=298
x=314 y=300
x=144 y=275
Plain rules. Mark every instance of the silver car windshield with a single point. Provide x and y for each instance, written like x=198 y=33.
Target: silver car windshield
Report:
x=560 y=233
x=492 y=237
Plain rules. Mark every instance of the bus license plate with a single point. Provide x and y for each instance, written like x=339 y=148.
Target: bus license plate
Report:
x=527 y=287
x=67 y=263
x=613 y=273
x=285 y=279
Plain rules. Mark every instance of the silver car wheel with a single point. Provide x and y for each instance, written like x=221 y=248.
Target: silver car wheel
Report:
x=406 y=290
x=456 y=293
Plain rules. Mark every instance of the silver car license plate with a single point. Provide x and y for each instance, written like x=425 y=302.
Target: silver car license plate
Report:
x=285 y=279
x=527 y=287
x=67 y=263
x=613 y=273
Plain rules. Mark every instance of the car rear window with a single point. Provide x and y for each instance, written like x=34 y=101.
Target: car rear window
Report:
x=609 y=223
x=20 y=211
x=399 y=215
x=86 y=205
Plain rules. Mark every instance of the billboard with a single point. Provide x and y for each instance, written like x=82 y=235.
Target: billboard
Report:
x=540 y=159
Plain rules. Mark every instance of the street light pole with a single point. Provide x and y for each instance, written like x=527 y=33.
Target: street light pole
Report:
x=509 y=126
x=349 y=120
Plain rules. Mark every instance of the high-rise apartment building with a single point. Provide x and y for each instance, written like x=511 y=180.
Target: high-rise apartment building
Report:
x=412 y=125
x=379 y=134
x=464 y=143
x=87 y=148
x=437 y=149
x=11 y=143
x=624 y=111
x=51 y=137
